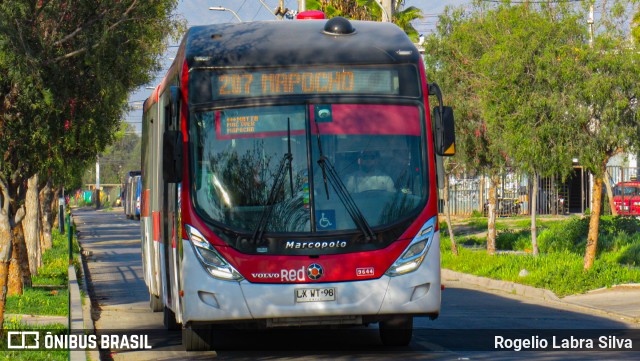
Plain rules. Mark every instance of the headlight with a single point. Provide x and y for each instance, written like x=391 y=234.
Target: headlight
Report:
x=210 y=259
x=413 y=256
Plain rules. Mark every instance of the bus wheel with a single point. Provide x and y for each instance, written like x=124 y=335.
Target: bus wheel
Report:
x=170 y=319
x=155 y=303
x=197 y=338
x=396 y=331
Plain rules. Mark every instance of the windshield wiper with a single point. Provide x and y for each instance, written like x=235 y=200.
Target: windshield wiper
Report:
x=343 y=194
x=278 y=184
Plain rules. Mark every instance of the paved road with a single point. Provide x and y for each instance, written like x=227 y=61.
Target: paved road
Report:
x=470 y=314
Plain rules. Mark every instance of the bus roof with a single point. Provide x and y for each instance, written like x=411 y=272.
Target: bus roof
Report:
x=296 y=42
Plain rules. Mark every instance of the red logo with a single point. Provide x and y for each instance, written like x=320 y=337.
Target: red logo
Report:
x=315 y=271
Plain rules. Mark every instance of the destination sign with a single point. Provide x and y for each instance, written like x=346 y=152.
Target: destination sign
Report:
x=262 y=120
x=321 y=81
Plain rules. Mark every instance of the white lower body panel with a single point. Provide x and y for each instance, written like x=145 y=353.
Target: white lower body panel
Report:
x=206 y=299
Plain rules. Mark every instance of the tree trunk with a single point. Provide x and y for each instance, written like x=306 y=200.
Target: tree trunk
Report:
x=31 y=226
x=447 y=210
x=594 y=223
x=491 y=215
x=607 y=185
x=54 y=207
x=534 y=229
x=481 y=197
x=19 y=265
x=6 y=238
x=11 y=217
x=46 y=196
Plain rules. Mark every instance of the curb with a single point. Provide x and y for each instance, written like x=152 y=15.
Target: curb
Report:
x=84 y=308
x=506 y=286
x=76 y=317
x=87 y=306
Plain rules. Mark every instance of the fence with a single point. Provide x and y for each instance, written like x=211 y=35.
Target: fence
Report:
x=555 y=196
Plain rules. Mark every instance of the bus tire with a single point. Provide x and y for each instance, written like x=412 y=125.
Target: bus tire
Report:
x=396 y=331
x=197 y=338
x=155 y=303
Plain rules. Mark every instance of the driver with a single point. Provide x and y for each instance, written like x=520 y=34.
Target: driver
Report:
x=369 y=177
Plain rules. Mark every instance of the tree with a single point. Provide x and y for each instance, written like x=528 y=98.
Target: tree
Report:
x=452 y=57
x=535 y=94
x=121 y=156
x=528 y=90
x=369 y=10
x=66 y=69
x=610 y=121
x=635 y=31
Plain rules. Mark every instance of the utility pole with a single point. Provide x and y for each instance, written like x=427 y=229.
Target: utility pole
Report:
x=590 y=22
x=98 y=182
x=302 y=5
x=387 y=9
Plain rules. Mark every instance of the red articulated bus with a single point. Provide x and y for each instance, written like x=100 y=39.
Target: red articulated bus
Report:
x=626 y=198
x=289 y=179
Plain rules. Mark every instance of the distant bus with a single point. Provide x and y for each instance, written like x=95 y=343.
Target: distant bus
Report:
x=626 y=198
x=289 y=179
x=130 y=194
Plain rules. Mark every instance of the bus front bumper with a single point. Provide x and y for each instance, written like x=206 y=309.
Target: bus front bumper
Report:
x=209 y=300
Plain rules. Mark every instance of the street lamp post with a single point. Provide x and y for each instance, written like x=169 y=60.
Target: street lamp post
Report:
x=220 y=8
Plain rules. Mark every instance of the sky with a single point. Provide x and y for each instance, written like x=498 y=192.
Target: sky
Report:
x=196 y=12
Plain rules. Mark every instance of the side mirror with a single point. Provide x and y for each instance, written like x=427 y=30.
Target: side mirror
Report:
x=172 y=156
x=444 y=131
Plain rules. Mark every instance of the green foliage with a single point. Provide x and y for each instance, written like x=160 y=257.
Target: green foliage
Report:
x=564 y=236
x=369 y=10
x=615 y=225
x=476 y=214
x=67 y=68
x=514 y=240
x=31 y=355
x=614 y=234
x=120 y=157
x=54 y=262
x=530 y=93
x=629 y=255
x=40 y=301
x=561 y=259
x=635 y=31
x=49 y=294
x=471 y=241
x=549 y=271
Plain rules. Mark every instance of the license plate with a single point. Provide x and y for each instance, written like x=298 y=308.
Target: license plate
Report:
x=315 y=294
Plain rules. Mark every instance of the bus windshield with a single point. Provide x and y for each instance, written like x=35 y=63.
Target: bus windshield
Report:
x=375 y=150
x=625 y=190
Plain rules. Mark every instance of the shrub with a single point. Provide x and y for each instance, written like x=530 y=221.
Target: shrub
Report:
x=615 y=242
x=514 y=240
x=630 y=255
x=565 y=236
x=614 y=225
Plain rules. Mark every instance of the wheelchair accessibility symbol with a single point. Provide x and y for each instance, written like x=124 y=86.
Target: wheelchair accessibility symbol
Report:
x=326 y=219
